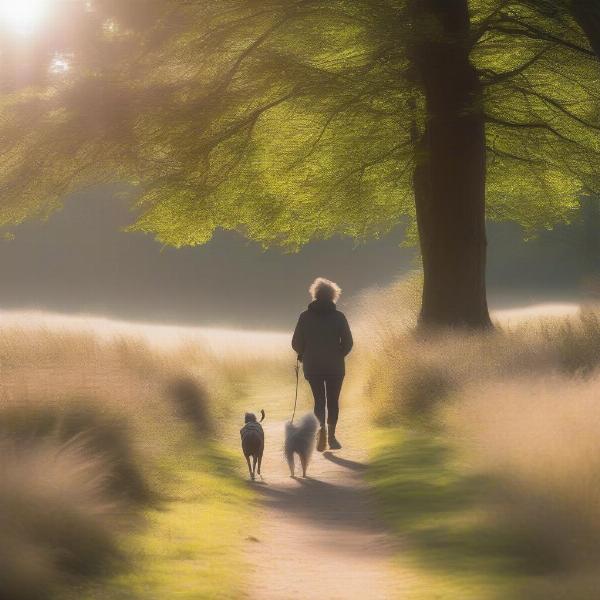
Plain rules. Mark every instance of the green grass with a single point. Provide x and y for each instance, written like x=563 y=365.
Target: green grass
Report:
x=448 y=543
x=191 y=546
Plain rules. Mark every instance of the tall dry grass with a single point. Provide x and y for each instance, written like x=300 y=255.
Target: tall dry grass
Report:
x=539 y=438
x=409 y=374
x=76 y=461
x=86 y=421
x=520 y=407
x=60 y=520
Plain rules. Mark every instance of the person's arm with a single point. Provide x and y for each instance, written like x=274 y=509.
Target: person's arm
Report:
x=298 y=339
x=346 y=341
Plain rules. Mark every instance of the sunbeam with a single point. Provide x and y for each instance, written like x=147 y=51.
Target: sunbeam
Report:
x=23 y=16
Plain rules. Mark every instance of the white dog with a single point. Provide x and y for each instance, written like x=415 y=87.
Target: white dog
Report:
x=300 y=440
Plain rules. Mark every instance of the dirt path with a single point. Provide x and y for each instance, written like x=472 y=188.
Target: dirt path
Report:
x=318 y=537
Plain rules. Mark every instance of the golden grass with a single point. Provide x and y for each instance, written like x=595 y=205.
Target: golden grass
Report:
x=539 y=438
x=409 y=375
x=486 y=460
x=57 y=520
x=114 y=482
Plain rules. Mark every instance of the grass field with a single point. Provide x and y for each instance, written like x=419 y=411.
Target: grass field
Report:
x=484 y=456
x=450 y=543
x=190 y=546
x=116 y=480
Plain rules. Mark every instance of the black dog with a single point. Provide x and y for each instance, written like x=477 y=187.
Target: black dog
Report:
x=253 y=442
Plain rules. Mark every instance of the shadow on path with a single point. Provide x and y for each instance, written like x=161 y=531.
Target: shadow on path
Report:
x=343 y=502
x=344 y=462
x=319 y=537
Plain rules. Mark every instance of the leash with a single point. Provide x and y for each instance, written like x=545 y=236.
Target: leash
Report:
x=297 y=369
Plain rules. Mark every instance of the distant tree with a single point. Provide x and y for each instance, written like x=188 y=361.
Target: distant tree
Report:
x=290 y=120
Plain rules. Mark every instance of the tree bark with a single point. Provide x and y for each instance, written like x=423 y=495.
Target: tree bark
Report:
x=449 y=179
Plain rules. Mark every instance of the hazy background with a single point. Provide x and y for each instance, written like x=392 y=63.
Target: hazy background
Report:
x=80 y=261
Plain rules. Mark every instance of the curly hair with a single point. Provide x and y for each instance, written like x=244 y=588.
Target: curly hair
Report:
x=324 y=289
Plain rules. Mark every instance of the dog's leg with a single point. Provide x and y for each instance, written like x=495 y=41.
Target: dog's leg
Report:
x=304 y=464
x=290 y=459
x=249 y=467
x=259 y=463
x=254 y=466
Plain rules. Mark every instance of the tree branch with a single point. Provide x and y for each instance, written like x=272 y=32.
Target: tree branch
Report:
x=515 y=26
x=500 y=77
x=504 y=154
x=540 y=126
x=484 y=26
x=556 y=104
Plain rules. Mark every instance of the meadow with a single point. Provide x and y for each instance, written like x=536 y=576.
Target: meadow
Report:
x=121 y=477
x=116 y=481
x=484 y=456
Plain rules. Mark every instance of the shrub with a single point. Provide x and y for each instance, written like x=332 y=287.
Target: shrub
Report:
x=409 y=376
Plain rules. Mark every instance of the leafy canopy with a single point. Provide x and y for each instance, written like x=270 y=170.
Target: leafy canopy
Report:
x=287 y=120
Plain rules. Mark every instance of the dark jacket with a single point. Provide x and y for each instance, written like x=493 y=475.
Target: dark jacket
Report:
x=322 y=339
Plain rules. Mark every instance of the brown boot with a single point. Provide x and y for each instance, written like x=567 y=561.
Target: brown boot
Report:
x=322 y=439
x=333 y=443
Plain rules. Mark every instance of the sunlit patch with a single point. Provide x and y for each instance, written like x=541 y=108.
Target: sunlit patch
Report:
x=23 y=16
x=110 y=27
x=60 y=64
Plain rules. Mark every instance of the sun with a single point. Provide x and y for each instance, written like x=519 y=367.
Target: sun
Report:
x=23 y=16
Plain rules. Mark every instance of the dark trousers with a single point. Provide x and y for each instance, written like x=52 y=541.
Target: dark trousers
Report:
x=326 y=390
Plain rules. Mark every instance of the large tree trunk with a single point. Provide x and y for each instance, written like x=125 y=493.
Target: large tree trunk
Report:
x=449 y=179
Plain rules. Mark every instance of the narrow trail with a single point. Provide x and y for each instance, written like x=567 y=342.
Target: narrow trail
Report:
x=318 y=537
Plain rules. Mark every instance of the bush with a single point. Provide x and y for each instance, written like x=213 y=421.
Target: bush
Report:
x=410 y=376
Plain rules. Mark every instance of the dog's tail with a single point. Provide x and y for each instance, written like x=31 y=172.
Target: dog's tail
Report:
x=262 y=412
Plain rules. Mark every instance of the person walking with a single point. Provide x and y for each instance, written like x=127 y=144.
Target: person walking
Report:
x=322 y=339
